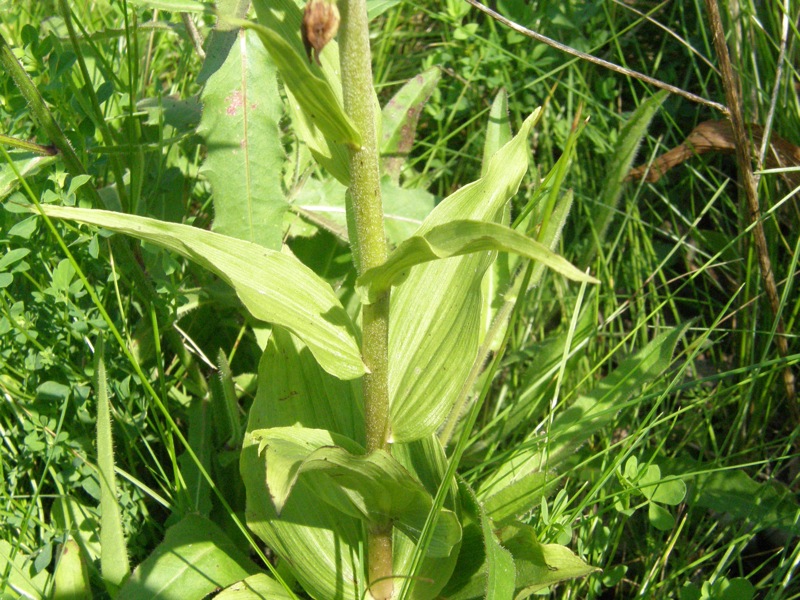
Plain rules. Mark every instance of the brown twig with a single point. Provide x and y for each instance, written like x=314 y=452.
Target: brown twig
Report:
x=747 y=180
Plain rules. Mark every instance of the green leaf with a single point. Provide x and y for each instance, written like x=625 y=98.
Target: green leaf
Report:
x=498 y=131
x=323 y=204
x=317 y=541
x=194 y=559
x=279 y=30
x=24 y=228
x=400 y=116
x=22 y=577
x=540 y=565
x=376 y=8
x=222 y=38
x=518 y=496
x=723 y=588
x=660 y=517
x=256 y=587
x=426 y=460
x=274 y=287
x=114 y=564
x=72 y=574
x=434 y=336
x=732 y=491
x=373 y=487
x=622 y=158
x=485 y=569
x=27 y=163
x=241 y=111
x=458 y=238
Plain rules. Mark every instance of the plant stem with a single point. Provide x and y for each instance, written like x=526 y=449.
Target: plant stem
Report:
x=368 y=240
x=747 y=180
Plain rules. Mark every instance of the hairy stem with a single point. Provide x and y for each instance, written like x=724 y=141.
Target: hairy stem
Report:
x=368 y=240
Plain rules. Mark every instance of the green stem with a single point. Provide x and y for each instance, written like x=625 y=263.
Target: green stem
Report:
x=368 y=240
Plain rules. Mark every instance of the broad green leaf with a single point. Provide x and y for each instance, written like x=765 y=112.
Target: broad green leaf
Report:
x=498 y=131
x=317 y=541
x=222 y=38
x=539 y=565
x=241 y=111
x=404 y=210
x=435 y=324
x=22 y=578
x=279 y=30
x=256 y=587
x=332 y=156
x=81 y=521
x=737 y=588
x=273 y=286
x=519 y=496
x=376 y=8
x=653 y=487
x=27 y=163
x=621 y=160
x=72 y=574
x=373 y=487
x=660 y=517
x=12 y=256
x=426 y=460
x=400 y=116
x=458 y=238
x=485 y=569
x=194 y=559
x=323 y=204
x=113 y=549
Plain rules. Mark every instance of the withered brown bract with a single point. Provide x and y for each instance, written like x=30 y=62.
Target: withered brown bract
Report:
x=320 y=24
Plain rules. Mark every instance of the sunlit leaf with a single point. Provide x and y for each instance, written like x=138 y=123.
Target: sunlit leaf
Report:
x=540 y=565
x=373 y=487
x=434 y=336
x=241 y=111
x=279 y=30
x=256 y=587
x=318 y=542
x=274 y=287
x=194 y=559
x=458 y=238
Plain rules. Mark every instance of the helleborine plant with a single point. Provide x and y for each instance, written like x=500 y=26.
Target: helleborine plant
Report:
x=343 y=459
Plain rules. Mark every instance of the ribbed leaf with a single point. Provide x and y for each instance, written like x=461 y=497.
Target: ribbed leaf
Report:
x=458 y=238
x=194 y=559
x=274 y=287
x=318 y=542
x=256 y=587
x=373 y=487
x=485 y=569
x=241 y=110
x=435 y=322
x=498 y=131
x=279 y=30
x=540 y=565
